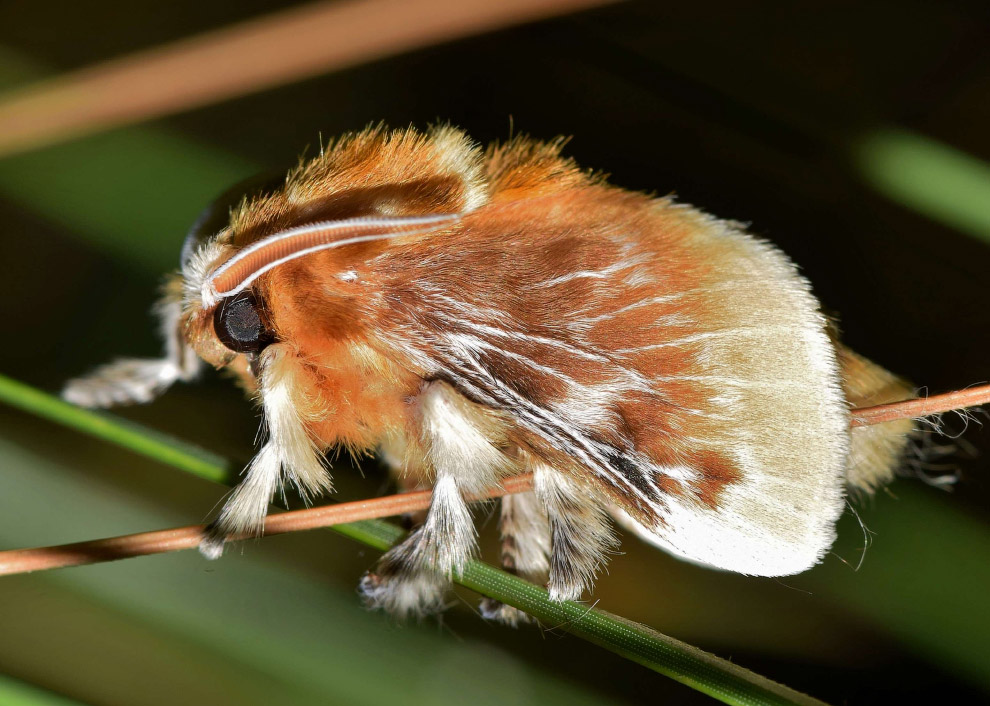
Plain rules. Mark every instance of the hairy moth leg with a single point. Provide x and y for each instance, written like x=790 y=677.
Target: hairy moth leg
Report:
x=581 y=535
x=140 y=380
x=461 y=441
x=412 y=578
x=525 y=550
x=289 y=452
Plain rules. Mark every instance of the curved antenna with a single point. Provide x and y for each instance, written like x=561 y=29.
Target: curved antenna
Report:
x=237 y=273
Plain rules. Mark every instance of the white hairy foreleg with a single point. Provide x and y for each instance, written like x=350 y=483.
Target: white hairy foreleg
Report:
x=462 y=446
x=140 y=380
x=288 y=454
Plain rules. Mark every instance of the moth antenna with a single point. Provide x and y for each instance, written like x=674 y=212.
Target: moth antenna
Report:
x=248 y=264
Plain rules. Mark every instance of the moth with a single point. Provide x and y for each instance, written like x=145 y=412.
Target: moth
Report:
x=471 y=314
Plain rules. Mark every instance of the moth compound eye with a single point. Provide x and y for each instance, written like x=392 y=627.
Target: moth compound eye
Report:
x=238 y=324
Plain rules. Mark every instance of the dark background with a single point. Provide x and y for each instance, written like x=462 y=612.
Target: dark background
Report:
x=759 y=112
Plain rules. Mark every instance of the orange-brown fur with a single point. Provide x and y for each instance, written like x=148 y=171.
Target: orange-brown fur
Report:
x=337 y=327
x=500 y=311
x=575 y=317
x=544 y=219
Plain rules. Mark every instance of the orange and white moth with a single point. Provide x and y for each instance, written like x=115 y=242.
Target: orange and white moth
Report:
x=474 y=314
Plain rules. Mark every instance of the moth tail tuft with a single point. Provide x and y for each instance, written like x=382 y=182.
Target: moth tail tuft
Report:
x=876 y=452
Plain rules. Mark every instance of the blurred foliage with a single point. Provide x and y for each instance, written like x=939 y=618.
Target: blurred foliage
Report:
x=943 y=183
x=15 y=693
x=98 y=189
x=707 y=673
x=144 y=441
x=238 y=631
x=754 y=112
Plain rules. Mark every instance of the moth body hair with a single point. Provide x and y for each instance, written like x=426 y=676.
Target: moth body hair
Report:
x=525 y=530
x=876 y=451
x=475 y=313
x=462 y=439
x=403 y=589
x=580 y=533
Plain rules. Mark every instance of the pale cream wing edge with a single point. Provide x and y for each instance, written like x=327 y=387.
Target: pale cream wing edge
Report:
x=790 y=432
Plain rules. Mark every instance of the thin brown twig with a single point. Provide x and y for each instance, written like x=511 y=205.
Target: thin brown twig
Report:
x=248 y=57
x=18 y=561
x=921 y=407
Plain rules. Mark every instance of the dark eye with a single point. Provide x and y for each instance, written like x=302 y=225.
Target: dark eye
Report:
x=238 y=324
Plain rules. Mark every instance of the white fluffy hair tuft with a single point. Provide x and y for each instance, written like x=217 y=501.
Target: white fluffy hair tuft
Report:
x=289 y=453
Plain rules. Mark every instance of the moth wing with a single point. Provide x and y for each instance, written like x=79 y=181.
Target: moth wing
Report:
x=766 y=442
x=702 y=404
x=763 y=439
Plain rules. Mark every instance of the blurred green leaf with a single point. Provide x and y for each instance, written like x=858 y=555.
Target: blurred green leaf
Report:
x=247 y=628
x=928 y=176
x=924 y=578
x=131 y=192
x=15 y=693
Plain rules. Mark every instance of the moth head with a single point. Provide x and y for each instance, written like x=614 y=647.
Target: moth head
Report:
x=257 y=266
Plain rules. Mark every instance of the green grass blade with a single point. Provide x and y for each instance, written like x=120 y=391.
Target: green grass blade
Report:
x=147 y=442
x=707 y=673
x=16 y=693
x=700 y=670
